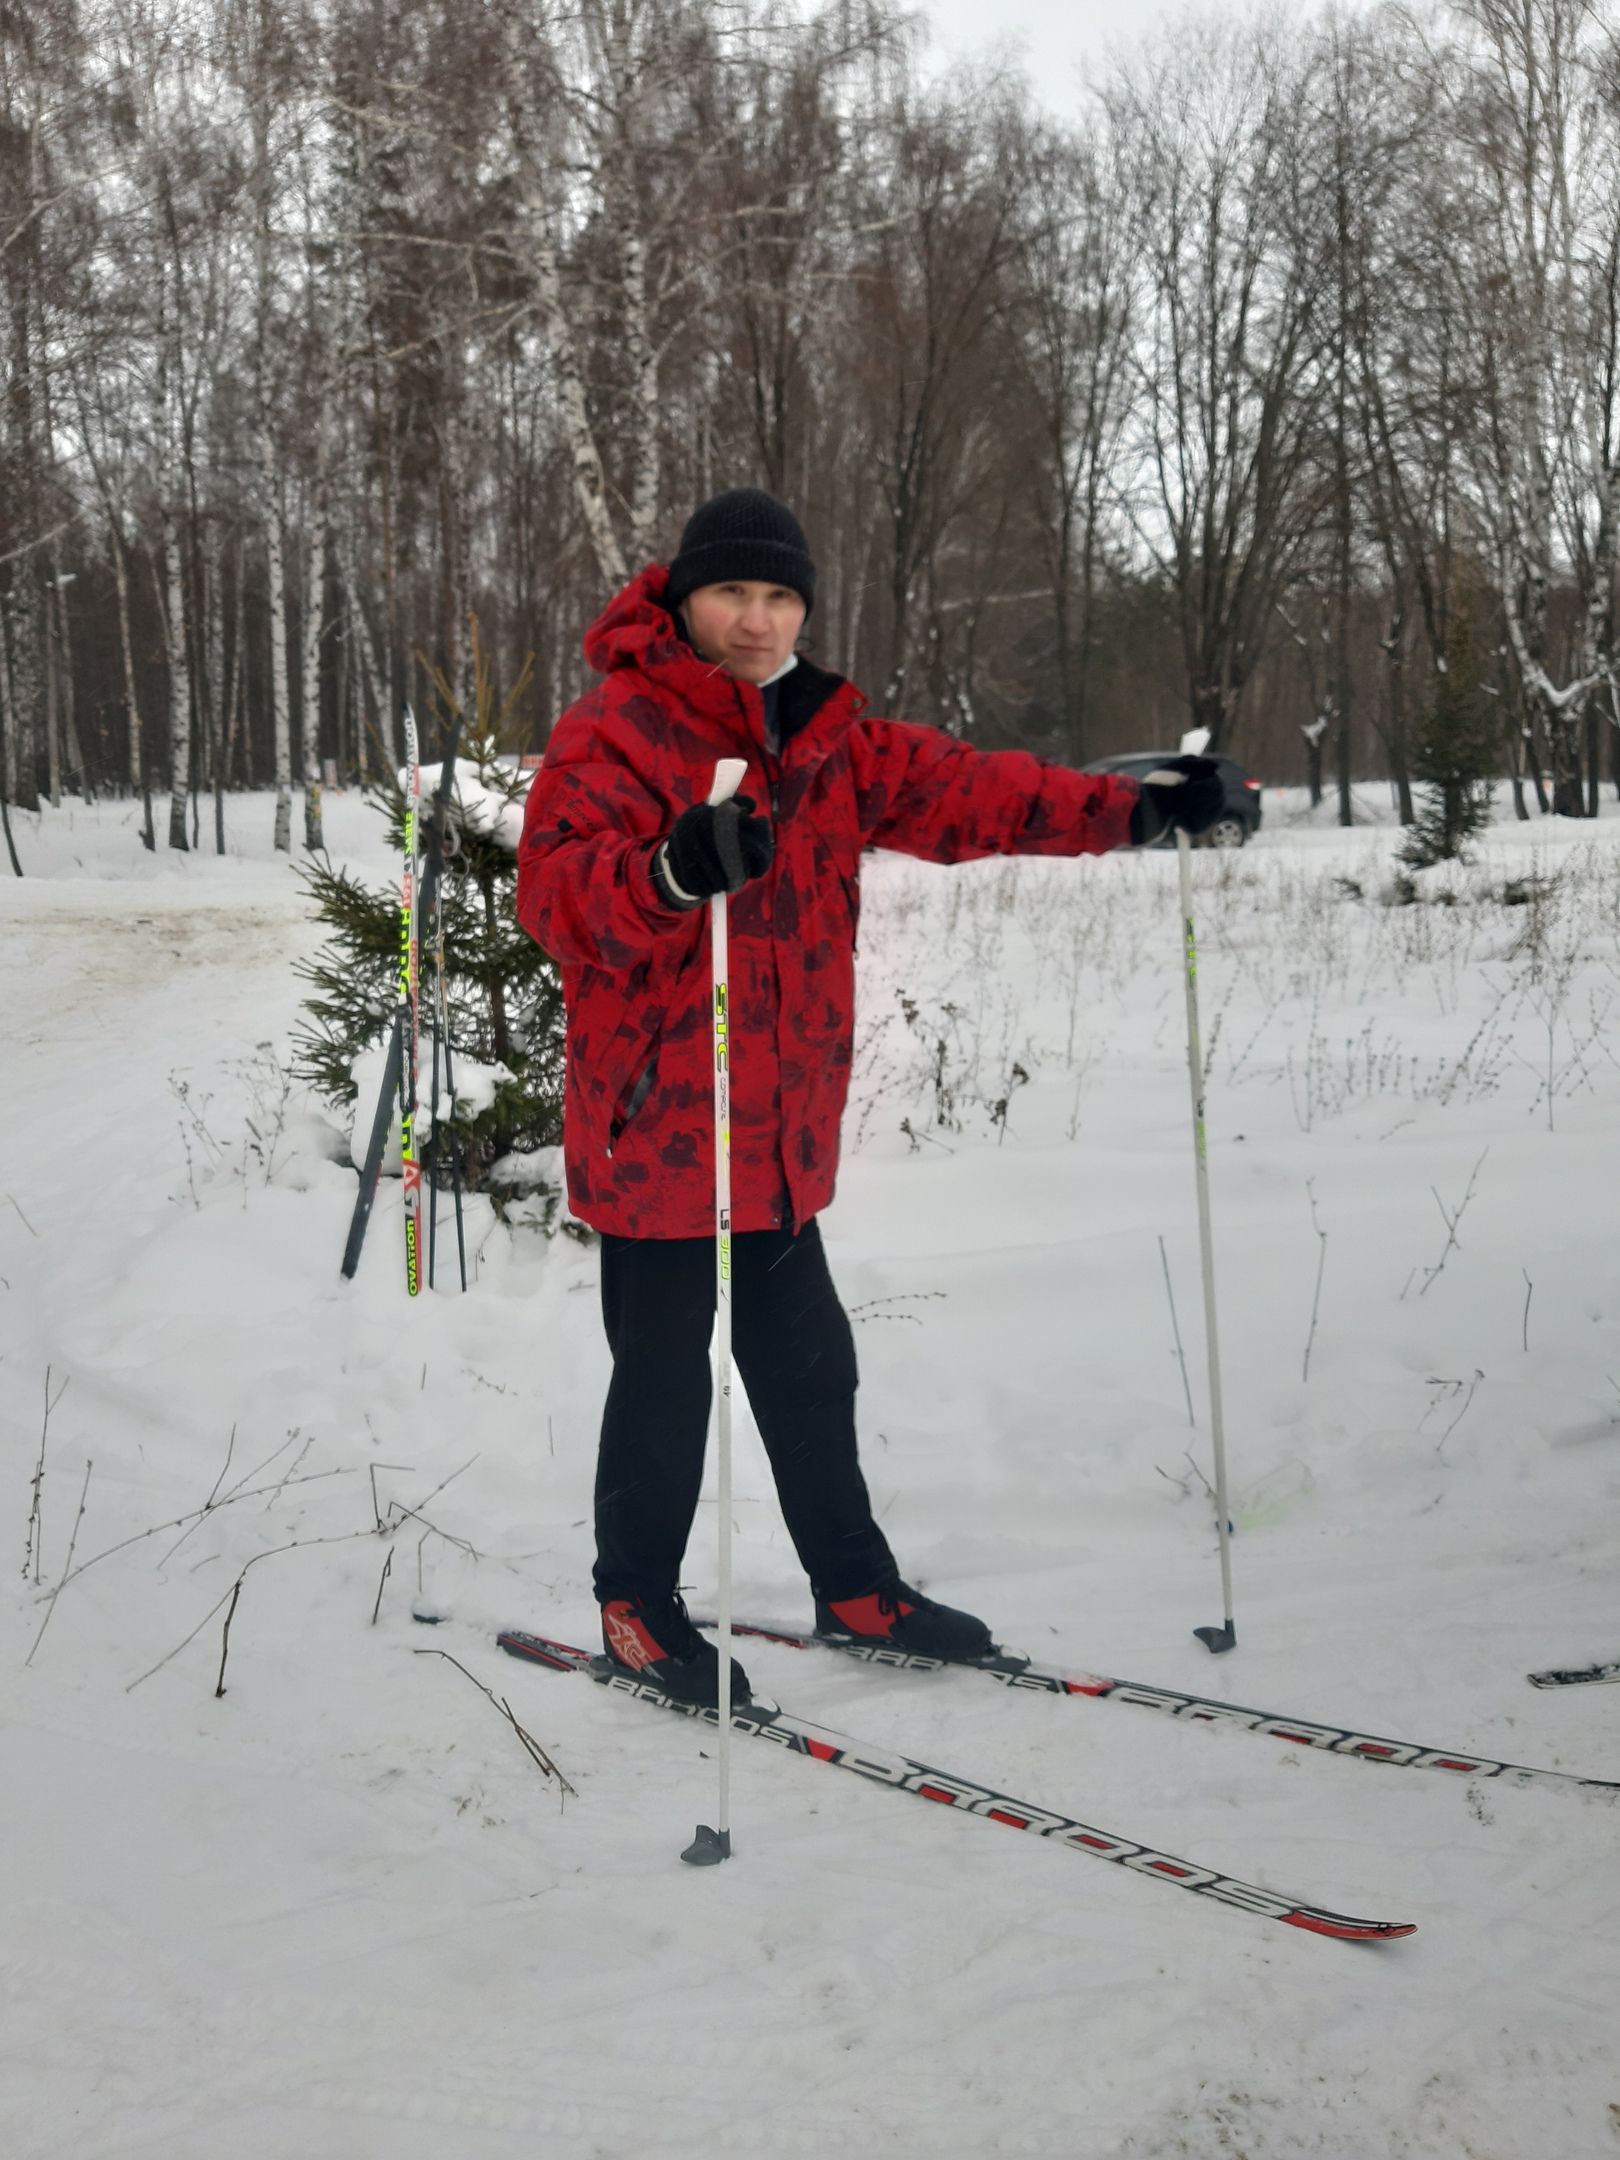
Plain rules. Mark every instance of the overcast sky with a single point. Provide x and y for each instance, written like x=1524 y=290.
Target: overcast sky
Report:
x=1060 y=36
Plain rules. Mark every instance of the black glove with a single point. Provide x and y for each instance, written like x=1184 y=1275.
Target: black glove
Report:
x=1193 y=799
x=712 y=848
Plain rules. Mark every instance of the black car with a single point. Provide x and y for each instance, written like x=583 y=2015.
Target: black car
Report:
x=1240 y=814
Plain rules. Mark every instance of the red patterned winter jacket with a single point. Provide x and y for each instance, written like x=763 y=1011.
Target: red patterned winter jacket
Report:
x=621 y=766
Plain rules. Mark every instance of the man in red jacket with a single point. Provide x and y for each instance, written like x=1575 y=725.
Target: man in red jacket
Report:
x=620 y=854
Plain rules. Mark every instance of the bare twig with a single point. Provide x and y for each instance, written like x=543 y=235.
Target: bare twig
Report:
x=277 y=1490
x=208 y=1504
x=536 y=1751
x=1473 y=1389
x=870 y=1311
x=439 y=1488
x=67 y=1566
x=36 y=1513
x=192 y=1515
x=410 y=1514
x=1451 y=1222
x=383 y=1527
x=1198 y=1473
x=225 y=1639
x=342 y=1537
x=230 y=1450
x=1529 y=1293
x=259 y=1468
x=1321 y=1267
x=388 y=1568
x=1175 y=1328
x=27 y=1225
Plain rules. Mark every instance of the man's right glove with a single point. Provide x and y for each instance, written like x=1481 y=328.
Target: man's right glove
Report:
x=712 y=848
x=1191 y=794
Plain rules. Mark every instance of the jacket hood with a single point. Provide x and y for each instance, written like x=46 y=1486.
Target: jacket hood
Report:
x=636 y=628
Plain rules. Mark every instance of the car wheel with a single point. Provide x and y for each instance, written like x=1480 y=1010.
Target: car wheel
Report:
x=1227 y=831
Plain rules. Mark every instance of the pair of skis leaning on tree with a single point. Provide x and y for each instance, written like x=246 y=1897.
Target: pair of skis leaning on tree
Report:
x=620 y=855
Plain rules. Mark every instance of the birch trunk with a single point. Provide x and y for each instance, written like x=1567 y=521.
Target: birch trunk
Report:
x=132 y=708
x=313 y=579
x=7 y=751
x=214 y=650
x=276 y=580
x=541 y=235
x=372 y=682
x=269 y=477
x=173 y=603
x=167 y=571
x=53 y=695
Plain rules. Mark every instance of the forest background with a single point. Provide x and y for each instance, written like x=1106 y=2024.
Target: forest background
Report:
x=331 y=326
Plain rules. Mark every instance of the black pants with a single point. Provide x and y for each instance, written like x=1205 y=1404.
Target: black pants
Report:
x=795 y=1351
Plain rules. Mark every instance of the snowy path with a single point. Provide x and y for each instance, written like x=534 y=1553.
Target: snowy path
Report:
x=339 y=1913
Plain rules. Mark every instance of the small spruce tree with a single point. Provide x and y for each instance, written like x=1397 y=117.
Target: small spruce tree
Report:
x=503 y=995
x=1456 y=753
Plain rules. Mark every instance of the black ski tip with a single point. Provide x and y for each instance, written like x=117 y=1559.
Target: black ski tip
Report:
x=708 y=1847
x=1217 y=1639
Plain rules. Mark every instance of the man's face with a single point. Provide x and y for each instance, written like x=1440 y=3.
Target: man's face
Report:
x=744 y=625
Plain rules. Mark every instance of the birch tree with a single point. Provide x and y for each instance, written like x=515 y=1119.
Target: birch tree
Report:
x=1539 y=132
x=1231 y=386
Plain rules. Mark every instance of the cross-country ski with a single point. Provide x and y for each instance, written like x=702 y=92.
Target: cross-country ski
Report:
x=767 y=1721
x=1029 y=1675
x=1577 y=1676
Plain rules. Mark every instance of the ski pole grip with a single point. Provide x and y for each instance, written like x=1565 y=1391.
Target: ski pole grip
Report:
x=728 y=777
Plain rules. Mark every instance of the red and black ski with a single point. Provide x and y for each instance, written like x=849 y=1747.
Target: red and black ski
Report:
x=1019 y=1672
x=905 y=1774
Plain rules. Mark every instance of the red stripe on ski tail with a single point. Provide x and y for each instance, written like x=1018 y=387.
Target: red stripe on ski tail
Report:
x=1321 y=1923
x=932 y=1792
x=822 y=1750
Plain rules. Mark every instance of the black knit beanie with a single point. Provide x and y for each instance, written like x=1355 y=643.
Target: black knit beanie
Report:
x=743 y=533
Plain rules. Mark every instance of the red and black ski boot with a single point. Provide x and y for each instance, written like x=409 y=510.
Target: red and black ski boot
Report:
x=654 y=1639
x=894 y=1613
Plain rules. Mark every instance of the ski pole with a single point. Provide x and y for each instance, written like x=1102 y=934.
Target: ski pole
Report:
x=440 y=847
x=709 y=1846
x=455 y=1152
x=411 y=991
x=433 y=1128
x=1214 y=1639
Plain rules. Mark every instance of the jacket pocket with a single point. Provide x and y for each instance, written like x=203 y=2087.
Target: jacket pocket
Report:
x=631 y=1099
x=852 y=894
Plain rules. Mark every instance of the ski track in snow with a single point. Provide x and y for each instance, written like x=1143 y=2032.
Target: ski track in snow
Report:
x=338 y=1913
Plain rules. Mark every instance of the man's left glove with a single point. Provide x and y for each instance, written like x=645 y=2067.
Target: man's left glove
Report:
x=1180 y=791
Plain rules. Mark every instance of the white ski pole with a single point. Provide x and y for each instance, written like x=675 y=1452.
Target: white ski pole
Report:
x=1215 y=1639
x=709 y=1846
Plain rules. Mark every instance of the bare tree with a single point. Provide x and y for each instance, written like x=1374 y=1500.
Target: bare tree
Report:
x=1230 y=360
x=1077 y=317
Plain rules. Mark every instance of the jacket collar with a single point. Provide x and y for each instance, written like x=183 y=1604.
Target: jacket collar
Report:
x=636 y=629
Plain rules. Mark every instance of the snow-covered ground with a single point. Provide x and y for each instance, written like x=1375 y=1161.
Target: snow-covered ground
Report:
x=339 y=1913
